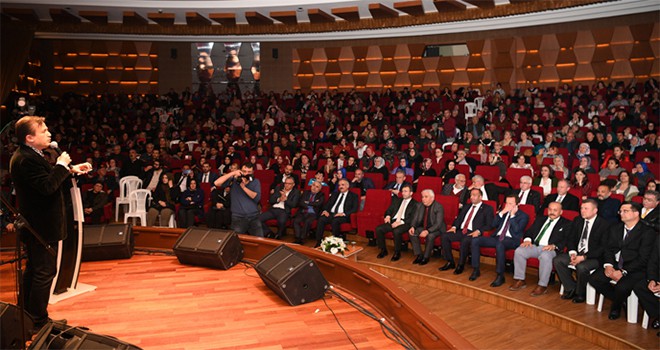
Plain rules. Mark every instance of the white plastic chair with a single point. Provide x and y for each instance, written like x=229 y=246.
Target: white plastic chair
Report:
x=137 y=207
x=127 y=184
x=191 y=145
x=470 y=110
x=480 y=103
x=631 y=310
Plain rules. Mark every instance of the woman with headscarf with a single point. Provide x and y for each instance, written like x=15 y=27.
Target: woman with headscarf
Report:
x=584 y=150
x=558 y=165
x=403 y=166
x=449 y=172
x=585 y=165
x=379 y=167
x=191 y=201
x=643 y=174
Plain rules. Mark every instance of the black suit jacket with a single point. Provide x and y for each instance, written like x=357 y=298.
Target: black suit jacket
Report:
x=570 y=202
x=653 y=219
x=609 y=209
x=482 y=220
x=533 y=198
x=40 y=192
x=350 y=204
x=408 y=216
x=436 y=223
x=304 y=202
x=279 y=179
x=558 y=234
x=635 y=249
x=291 y=200
x=390 y=186
x=492 y=191
x=597 y=237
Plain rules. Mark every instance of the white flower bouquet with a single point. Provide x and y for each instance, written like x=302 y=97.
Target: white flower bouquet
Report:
x=333 y=245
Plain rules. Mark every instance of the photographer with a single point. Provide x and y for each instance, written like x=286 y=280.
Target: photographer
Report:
x=245 y=195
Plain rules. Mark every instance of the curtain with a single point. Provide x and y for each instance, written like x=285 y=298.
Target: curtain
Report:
x=16 y=40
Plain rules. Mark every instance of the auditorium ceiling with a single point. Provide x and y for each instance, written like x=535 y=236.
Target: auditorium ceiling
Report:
x=297 y=19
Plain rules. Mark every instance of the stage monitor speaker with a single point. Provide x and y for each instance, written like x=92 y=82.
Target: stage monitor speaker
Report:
x=292 y=275
x=10 y=327
x=55 y=335
x=107 y=242
x=209 y=247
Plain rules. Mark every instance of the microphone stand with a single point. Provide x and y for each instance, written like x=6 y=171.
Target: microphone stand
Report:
x=21 y=223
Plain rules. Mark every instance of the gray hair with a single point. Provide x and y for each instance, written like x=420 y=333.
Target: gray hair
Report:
x=429 y=192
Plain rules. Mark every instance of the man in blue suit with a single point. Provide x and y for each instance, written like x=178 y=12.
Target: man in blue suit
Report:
x=510 y=223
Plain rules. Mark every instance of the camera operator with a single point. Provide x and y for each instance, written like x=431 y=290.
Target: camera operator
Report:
x=245 y=193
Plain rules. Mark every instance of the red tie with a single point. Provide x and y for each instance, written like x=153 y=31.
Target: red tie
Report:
x=467 y=222
x=426 y=217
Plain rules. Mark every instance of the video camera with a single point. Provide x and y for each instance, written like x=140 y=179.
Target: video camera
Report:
x=248 y=177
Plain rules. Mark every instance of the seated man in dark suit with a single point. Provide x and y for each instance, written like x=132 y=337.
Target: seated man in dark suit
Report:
x=650 y=214
x=567 y=200
x=206 y=175
x=284 y=198
x=646 y=288
x=94 y=201
x=398 y=218
x=363 y=183
x=281 y=178
x=471 y=222
x=510 y=226
x=626 y=258
x=429 y=222
x=543 y=241
x=526 y=194
x=337 y=211
x=400 y=180
x=457 y=188
x=585 y=249
x=489 y=191
x=309 y=209
x=608 y=207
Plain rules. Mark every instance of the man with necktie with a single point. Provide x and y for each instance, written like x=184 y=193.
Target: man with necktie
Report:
x=398 y=219
x=650 y=213
x=397 y=184
x=510 y=223
x=472 y=221
x=626 y=258
x=285 y=198
x=567 y=200
x=429 y=223
x=526 y=194
x=337 y=211
x=585 y=249
x=543 y=240
x=207 y=176
x=309 y=209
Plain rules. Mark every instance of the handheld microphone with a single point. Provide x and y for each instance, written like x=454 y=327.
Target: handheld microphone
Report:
x=53 y=145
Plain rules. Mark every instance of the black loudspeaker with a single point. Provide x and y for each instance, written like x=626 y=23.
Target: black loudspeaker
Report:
x=107 y=242
x=174 y=53
x=209 y=247
x=292 y=276
x=55 y=335
x=10 y=327
x=276 y=53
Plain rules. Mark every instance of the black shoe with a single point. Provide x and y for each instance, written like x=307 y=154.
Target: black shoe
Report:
x=448 y=266
x=382 y=254
x=404 y=247
x=396 y=256
x=578 y=299
x=568 y=295
x=475 y=274
x=459 y=270
x=424 y=261
x=270 y=235
x=614 y=314
x=655 y=324
x=417 y=260
x=372 y=242
x=499 y=280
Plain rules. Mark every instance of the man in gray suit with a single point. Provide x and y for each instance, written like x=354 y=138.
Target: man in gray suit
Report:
x=428 y=223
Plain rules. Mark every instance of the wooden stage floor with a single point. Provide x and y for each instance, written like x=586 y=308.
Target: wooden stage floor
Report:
x=157 y=303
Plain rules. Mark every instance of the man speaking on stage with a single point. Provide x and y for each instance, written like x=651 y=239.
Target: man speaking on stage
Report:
x=40 y=197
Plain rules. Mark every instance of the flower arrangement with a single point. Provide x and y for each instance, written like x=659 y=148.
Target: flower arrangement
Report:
x=333 y=245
